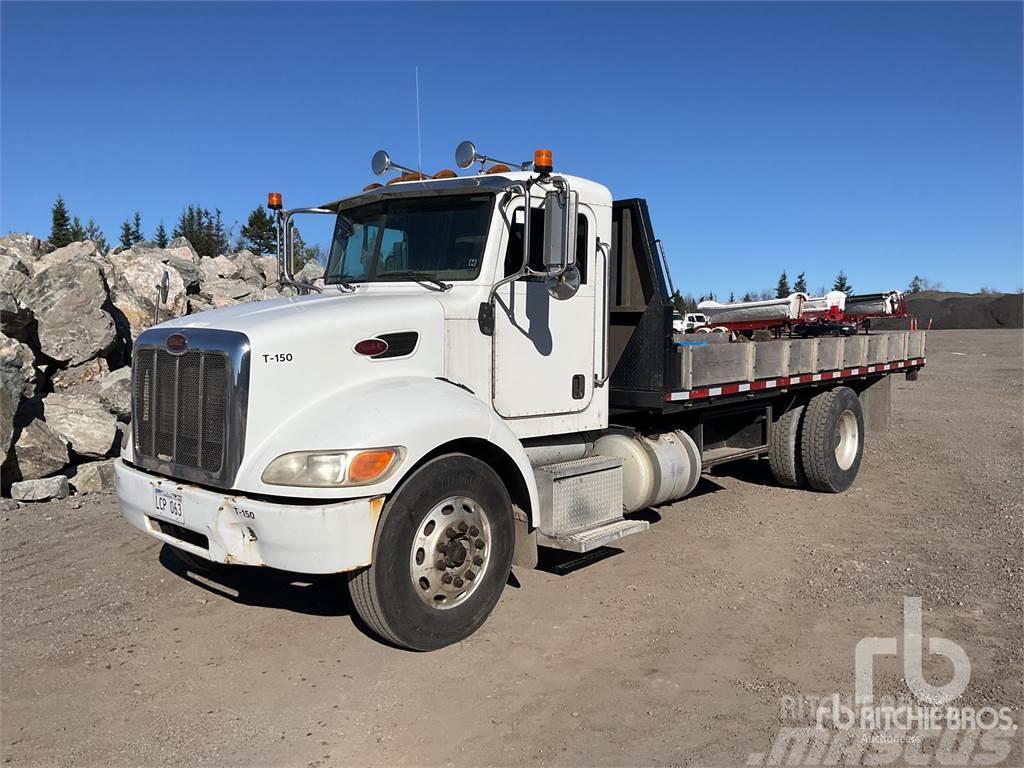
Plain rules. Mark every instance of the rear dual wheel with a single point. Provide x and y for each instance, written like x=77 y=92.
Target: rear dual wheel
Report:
x=441 y=555
x=819 y=445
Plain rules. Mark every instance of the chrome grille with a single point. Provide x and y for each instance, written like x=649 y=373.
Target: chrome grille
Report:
x=189 y=408
x=183 y=401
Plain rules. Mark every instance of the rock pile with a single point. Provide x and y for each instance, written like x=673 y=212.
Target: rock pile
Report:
x=68 y=318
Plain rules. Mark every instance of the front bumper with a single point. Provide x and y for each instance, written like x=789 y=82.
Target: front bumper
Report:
x=314 y=538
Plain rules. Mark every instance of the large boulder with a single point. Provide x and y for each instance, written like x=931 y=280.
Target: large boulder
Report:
x=15 y=317
x=182 y=248
x=21 y=251
x=190 y=272
x=224 y=288
x=17 y=371
x=41 y=490
x=77 y=375
x=312 y=272
x=8 y=405
x=94 y=477
x=267 y=266
x=67 y=300
x=73 y=252
x=40 y=451
x=115 y=393
x=134 y=280
x=83 y=421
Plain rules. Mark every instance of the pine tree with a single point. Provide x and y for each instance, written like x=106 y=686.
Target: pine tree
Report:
x=677 y=301
x=160 y=236
x=299 y=250
x=732 y=297
x=76 y=231
x=136 y=228
x=782 y=287
x=842 y=284
x=916 y=285
x=60 y=226
x=93 y=232
x=747 y=297
x=127 y=233
x=259 y=234
x=800 y=286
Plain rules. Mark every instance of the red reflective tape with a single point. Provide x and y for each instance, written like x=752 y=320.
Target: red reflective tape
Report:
x=783 y=382
x=757 y=385
x=730 y=389
x=698 y=393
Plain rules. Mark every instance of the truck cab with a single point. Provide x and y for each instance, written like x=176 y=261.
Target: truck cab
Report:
x=488 y=368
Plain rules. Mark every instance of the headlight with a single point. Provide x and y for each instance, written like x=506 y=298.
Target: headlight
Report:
x=330 y=469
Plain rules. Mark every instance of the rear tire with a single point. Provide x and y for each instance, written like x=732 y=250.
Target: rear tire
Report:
x=441 y=555
x=784 y=450
x=832 y=440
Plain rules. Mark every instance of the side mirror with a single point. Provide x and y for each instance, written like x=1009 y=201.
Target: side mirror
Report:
x=559 y=231
x=381 y=163
x=465 y=154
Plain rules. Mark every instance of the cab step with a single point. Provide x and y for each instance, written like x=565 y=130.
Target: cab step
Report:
x=581 y=504
x=592 y=538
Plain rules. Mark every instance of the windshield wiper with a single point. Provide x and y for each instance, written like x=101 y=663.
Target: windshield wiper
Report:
x=423 y=279
x=342 y=280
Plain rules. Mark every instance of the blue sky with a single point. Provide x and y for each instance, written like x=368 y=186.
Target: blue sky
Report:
x=883 y=139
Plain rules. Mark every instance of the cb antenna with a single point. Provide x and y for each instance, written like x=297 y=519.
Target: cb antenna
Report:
x=419 y=143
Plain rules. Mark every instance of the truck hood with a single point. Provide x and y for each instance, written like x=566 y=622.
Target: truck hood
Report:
x=302 y=358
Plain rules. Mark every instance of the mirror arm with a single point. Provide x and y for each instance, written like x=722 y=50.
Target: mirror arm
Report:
x=485 y=316
x=285 y=267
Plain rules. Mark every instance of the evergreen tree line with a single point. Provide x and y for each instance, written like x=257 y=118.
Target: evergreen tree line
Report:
x=204 y=229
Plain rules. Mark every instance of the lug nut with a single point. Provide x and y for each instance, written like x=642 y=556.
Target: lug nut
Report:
x=462 y=526
x=452 y=533
x=479 y=543
x=478 y=560
x=459 y=582
x=470 y=575
x=441 y=565
x=442 y=547
x=473 y=530
x=447 y=578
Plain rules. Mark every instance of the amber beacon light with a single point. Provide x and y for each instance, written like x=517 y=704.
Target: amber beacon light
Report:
x=274 y=201
x=542 y=161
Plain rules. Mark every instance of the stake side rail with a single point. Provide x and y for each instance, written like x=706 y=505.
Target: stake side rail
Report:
x=776 y=385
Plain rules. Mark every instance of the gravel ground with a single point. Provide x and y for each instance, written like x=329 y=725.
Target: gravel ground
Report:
x=676 y=651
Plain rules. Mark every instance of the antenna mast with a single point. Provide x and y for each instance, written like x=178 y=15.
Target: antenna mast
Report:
x=419 y=143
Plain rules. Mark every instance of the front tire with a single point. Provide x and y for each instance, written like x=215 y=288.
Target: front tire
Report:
x=832 y=440
x=441 y=555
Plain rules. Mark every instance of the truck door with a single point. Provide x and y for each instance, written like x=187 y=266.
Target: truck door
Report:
x=543 y=347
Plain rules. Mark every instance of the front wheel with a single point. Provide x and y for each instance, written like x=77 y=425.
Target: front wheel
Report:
x=441 y=555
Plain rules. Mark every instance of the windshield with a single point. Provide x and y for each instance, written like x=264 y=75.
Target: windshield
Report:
x=434 y=237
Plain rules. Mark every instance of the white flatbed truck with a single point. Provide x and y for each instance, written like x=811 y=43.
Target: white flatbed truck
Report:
x=470 y=384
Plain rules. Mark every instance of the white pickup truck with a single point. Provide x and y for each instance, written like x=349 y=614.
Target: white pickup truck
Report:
x=471 y=383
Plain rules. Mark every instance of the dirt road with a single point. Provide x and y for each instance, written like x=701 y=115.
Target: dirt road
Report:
x=675 y=652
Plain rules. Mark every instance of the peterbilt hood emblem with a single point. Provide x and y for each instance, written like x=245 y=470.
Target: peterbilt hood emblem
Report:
x=176 y=343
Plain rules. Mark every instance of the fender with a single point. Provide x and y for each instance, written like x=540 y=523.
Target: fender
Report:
x=417 y=413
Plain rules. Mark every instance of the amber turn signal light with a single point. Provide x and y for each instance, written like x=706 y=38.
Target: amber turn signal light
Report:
x=274 y=201
x=367 y=466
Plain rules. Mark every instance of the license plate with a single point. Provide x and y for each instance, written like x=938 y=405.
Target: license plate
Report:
x=168 y=506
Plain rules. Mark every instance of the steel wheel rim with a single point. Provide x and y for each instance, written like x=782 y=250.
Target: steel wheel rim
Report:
x=847 y=439
x=450 y=552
